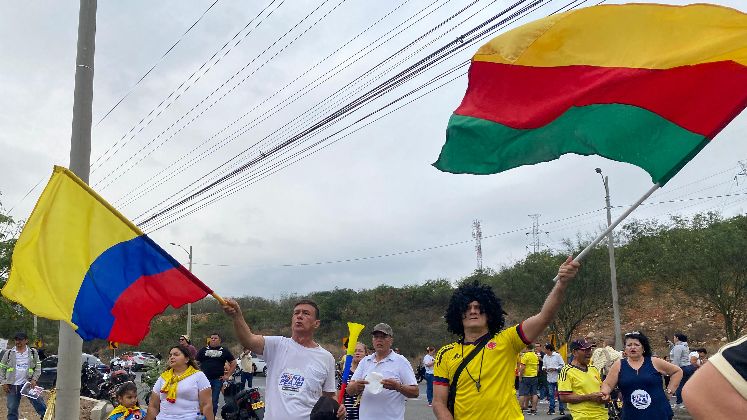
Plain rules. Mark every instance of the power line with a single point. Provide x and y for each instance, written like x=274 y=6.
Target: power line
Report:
x=131 y=196
x=186 y=83
x=472 y=240
x=281 y=165
x=132 y=89
x=185 y=115
x=295 y=122
x=239 y=83
x=441 y=53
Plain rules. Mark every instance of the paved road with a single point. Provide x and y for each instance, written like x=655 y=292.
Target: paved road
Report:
x=416 y=408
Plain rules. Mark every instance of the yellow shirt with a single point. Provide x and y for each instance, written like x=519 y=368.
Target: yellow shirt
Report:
x=531 y=364
x=573 y=380
x=497 y=396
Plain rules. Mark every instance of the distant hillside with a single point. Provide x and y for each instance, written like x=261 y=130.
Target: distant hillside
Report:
x=687 y=275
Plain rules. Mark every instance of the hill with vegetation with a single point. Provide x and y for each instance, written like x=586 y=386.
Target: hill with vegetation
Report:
x=687 y=275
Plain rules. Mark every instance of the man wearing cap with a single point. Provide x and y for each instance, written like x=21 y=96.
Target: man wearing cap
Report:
x=299 y=371
x=184 y=341
x=483 y=386
x=398 y=379
x=213 y=359
x=579 y=384
x=19 y=365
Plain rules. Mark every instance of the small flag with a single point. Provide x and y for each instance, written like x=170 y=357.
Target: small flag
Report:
x=80 y=261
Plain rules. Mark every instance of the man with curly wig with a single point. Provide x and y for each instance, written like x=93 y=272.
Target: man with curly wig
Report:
x=485 y=386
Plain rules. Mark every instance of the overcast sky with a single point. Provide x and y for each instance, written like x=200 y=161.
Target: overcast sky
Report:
x=369 y=194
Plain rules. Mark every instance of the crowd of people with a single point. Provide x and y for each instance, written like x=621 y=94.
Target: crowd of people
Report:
x=476 y=377
x=479 y=376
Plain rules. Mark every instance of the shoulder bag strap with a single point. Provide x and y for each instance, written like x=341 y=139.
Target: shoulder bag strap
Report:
x=455 y=379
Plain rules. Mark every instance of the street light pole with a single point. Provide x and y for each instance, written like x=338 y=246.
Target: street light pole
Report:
x=189 y=305
x=613 y=269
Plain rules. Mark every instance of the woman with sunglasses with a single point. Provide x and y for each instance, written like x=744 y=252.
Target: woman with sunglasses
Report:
x=639 y=377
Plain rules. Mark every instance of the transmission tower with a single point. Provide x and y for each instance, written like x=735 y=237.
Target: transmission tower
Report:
x=535 y=233
x=477 y=235
x=743 y=172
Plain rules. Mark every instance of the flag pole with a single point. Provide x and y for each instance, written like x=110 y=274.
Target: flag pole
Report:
x=614 y=224
x=67 y=404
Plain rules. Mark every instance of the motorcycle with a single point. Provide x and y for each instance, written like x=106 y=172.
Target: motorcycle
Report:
x=241 y=404
x=420 y=373
x=108 y=387
x=90 y=381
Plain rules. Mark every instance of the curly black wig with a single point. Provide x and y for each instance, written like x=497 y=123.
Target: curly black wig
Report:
x=490 y=305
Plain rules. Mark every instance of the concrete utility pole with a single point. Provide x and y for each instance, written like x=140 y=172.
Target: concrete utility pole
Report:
x=477 y=234
x=189 y=305
x=613 y=269
x=71 y=345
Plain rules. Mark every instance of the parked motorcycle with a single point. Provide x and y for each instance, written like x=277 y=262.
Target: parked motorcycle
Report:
x=90 y=381
x=420 y=372
x=108 y=387
x=241 y=404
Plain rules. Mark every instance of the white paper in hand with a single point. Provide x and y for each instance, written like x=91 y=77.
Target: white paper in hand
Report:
x=374 y=382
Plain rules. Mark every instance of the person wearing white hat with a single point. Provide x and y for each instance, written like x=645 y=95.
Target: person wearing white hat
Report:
x=397 y=379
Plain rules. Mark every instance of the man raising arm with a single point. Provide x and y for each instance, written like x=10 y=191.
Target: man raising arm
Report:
x=485 y=386
x=299 y=371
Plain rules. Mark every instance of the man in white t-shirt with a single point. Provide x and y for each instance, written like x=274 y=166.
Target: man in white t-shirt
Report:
x=428 y=363
x=299 y=371
x=552 y=362
x=398 y=383
x=19 y=365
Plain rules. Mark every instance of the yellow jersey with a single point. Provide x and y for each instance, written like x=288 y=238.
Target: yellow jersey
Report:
x=531 y=364
x=493 y=367
x=573 y=380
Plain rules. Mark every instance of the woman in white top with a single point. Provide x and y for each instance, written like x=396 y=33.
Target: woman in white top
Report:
x=181 y=392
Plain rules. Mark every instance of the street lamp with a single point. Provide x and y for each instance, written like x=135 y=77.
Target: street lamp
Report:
x=189 y=305
x=613 y=269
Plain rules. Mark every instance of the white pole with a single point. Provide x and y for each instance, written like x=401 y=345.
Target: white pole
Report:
x=189 y=305
x=613 y=266
x=612 y=226
x=71 y=345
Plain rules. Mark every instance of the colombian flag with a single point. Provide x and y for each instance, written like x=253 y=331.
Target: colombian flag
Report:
x=80 y=261
x=646 y=84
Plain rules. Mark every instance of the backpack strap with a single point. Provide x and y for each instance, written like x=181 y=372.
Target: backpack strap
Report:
x=453 y=385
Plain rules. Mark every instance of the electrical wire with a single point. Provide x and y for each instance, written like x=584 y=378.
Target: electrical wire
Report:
x=138 y=191
x=294 y=122
x=254 y=125
x=462 y=41
x=163 y=56
x=176 y=92
x=185 y=115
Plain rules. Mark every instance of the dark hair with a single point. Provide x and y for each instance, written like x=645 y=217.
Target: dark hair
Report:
x=702 y=350
x=126 y=387
x=215 y=333
x=490 y=305
x=308 y=302
x=681 y=337
x=550 y=347
x=644 y=342
x=185 y=351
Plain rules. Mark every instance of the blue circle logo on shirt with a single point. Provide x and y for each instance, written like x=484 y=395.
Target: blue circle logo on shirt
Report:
x=640 y=399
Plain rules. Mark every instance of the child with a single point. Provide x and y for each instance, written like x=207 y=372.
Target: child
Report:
x=127 y=408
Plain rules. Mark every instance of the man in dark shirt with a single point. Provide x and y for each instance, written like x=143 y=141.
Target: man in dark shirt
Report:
x=213 y=359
